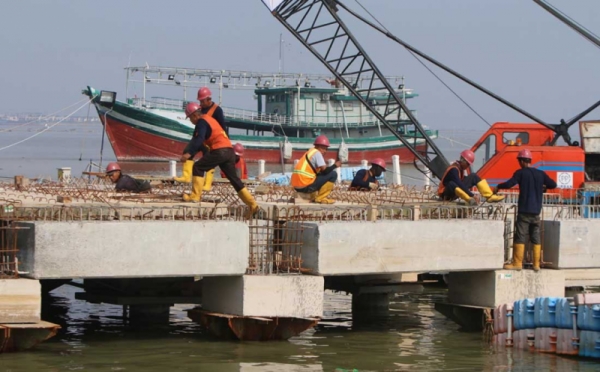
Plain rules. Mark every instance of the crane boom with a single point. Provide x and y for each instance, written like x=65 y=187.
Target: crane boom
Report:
x=316 y=24
x=569 y=22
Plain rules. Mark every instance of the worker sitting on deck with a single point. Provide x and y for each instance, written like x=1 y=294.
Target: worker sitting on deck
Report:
x=311 y=175
x=455 y=185
x=124 y=182
x=208 y=133
x=208 y=107
x=531 y=183
x=240 y=163
x=366 y=179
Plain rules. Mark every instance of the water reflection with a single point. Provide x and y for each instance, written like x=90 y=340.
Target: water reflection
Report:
x=412 y=337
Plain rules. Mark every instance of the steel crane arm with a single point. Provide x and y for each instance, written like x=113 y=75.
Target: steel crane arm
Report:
x=316 y=24
x=566 y=20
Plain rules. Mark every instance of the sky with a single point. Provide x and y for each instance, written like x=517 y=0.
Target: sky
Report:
x=50 y=50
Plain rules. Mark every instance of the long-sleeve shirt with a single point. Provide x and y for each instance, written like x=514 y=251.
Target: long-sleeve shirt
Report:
x=202 y=132
x=218 y=115
x=531 y=183
x=128 y=183
x=454 y=176
x=362 y=179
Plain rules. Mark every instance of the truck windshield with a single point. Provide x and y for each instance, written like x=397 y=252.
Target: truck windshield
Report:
x=484 y=152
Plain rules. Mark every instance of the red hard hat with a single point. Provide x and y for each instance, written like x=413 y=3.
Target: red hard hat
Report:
x=380 y=162
x=111 y=167
x=204 y=93
x=190 y=108
x=322 y=140
x=524 y=154
x=238 y=149
x=468 y=155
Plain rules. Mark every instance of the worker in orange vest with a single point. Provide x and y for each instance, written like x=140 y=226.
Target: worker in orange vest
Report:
x=208 y=133
x=240 y=163
x=311 y=175
x=208 y=107
x=454 y=184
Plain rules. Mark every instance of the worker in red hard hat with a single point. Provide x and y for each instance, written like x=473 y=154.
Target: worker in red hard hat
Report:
x=366 y=179
x=124 y=182
x=454 y=184
x=210 y=108
x=240 y=163
x=311 y=175
x=532 y=183
x=208 y=133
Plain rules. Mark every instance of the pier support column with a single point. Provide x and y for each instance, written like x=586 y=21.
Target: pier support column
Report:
x=260 y=307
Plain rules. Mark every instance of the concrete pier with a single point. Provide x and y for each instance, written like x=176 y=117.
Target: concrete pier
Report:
x=571 y=244
x=358 y=248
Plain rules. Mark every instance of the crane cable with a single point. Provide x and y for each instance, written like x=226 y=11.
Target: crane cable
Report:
x=50 y=127
x=427 y=68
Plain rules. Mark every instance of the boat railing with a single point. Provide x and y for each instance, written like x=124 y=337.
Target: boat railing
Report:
x=232 y=113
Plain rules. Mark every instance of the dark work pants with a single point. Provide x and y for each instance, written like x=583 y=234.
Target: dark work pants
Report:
x=224 y=159
x=469 y=181
x=527 y=225
x=319 y=182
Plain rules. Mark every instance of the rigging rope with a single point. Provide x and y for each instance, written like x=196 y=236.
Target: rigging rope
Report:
x=427 y=68
x=575 y=23
x=47 y=129
x=41 y=117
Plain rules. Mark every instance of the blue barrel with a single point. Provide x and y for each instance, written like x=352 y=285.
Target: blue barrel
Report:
x=545 y=311
x=589 y=344
x=523 y=311
x=564 y=314
x=594 y=318
x=582 y=317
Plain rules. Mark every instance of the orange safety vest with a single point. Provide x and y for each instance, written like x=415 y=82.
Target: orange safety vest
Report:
x=441 y=187
x=304 y=174
x=241 y=165
x=218 y=138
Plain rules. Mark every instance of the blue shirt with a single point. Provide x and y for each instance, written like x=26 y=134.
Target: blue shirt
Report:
x=202 y=132
x=531 y=183
x=454 y=176
x=359 y=179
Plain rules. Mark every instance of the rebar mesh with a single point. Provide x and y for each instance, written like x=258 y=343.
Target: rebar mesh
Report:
x=9 y=264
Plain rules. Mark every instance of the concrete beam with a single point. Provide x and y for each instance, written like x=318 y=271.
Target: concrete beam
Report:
x=359 y=248
x=571 y=244
x=135 y=249
x=20 y=301
x=293 y=296
x=493 y=288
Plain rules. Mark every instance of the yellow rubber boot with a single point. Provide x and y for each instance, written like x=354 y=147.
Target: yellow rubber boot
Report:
x=186 y=172
x=209 y=180
x=487 y=193
x=323 y=193
x=197 y=184
x=464 y=196
x=537 y=255
x=248 y=199
x=517 y=261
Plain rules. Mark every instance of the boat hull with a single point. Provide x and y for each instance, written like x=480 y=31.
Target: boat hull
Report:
x=135 y=139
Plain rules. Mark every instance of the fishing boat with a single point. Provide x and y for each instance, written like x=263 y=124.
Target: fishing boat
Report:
x=290 y=111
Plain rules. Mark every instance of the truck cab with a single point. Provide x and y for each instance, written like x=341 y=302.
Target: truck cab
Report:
x=496 y=155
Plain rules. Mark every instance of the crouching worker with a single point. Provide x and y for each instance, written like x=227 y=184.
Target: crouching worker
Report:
x=208 y=133
x=124 y=182
x=531 y=183
x=455 y=185
x=311 y=175
x=366 y=179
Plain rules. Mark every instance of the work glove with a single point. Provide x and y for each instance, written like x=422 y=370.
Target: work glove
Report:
x=373 y=186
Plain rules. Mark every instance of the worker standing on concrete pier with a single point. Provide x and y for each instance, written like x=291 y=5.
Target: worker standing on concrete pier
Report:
x=366 y=179
x=208 y=133
x=455 y=185
x=124 y=182
x=208 y=107
x=532 y=183
x=311 y=175
x=240 y=163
